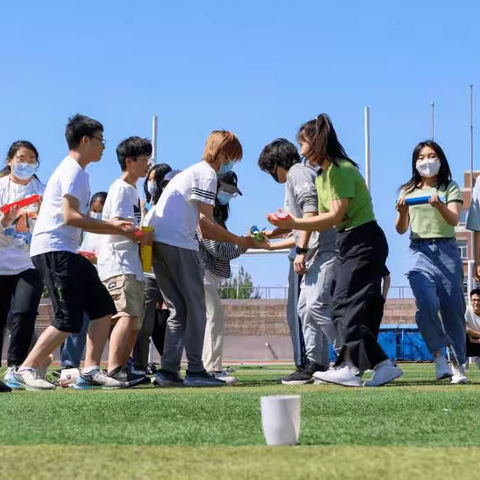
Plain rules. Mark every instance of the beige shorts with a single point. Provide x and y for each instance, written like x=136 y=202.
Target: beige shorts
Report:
x=128 y=293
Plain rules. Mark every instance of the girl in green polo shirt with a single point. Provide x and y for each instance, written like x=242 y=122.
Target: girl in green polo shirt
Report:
x=434 y=266
x=357 y=302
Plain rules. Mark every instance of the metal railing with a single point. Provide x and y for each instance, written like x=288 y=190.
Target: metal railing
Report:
x=400 y=292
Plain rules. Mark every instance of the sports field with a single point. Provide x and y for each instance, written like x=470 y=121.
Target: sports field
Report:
x=414 y=429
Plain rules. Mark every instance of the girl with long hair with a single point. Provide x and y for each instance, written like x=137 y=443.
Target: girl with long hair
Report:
x=357 y=302
x=434 y=266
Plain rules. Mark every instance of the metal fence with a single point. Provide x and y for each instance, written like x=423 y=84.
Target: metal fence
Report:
x=281 y=293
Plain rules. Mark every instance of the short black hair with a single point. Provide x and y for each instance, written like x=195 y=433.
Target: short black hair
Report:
x=80 y=126
x=280 y=153
x=475 y=291
x=133 y=147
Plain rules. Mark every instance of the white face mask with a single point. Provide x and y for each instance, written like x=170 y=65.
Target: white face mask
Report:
x=429 y=167
x=97 y=215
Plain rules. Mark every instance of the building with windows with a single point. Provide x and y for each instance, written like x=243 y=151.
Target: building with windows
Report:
x=464 y=236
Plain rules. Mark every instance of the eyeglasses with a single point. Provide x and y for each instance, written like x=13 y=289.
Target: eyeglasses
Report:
x=22 y=159
x=99 y=138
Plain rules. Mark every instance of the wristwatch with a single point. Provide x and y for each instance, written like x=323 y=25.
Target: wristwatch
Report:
x=301 y=251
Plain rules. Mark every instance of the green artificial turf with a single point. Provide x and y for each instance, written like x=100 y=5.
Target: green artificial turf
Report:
x=175 y=426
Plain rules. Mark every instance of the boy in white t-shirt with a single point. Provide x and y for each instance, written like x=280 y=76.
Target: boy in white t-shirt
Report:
x=119 y=264
x=186 y=202
x=72 y=281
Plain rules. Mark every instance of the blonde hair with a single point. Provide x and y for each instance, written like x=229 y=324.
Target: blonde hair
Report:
x=222 y=141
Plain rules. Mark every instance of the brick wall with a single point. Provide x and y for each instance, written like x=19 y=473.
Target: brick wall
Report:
x=264 y=317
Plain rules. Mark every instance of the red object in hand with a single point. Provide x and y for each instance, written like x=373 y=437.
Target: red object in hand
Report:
x=137 y=233
x=278 y=216
x=21 y=203
x=89 y=255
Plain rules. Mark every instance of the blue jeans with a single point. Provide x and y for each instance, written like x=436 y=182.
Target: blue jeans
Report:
x=435 y=273
x=72 y=350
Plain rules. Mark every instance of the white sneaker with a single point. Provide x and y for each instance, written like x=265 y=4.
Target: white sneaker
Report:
x=384 y=372
x=29 y=379
x=340 y=376
x=224 y=377
x=9 y=378
x=442 y=368
x=458 y=375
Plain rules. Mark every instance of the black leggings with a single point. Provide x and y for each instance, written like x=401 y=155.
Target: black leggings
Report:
x=21 y=294
x=357 y=303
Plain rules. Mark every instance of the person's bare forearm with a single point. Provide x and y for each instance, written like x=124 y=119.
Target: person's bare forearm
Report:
x=287 y=243
x=277 y=233
x=473 y=333
x=304 y=236
x=211 y=230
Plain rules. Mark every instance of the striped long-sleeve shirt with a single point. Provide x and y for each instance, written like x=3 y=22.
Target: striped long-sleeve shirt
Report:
x=215 y=256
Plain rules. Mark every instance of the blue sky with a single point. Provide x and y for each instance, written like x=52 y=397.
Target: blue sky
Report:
x=258 y=68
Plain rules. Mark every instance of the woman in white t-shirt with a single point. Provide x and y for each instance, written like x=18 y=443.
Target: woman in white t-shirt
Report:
x=20 y=284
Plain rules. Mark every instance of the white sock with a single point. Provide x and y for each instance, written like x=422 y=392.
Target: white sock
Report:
x=91 y=369
x=25 y=369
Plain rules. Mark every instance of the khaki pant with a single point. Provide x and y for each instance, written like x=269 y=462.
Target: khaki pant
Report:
x=215 y=328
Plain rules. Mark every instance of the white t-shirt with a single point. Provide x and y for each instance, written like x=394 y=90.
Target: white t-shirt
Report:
x=51 y=234
x=176 y=214
x=118 y=255
x=16 y=238
x=91 y=241
x=472 y=320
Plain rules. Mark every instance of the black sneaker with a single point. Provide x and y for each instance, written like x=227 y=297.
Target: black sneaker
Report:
x=130 y=379
x=164 y=378
x=152 y=369
x=304 y=376
x=202 y=379
x=4 y=388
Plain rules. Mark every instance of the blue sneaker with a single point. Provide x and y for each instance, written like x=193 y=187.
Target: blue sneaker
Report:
x=10 y=379
x=96 y=379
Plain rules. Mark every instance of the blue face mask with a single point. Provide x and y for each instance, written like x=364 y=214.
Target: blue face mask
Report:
x=152 y=188
x=24 y=171
x=226 y=167
x=224 y=197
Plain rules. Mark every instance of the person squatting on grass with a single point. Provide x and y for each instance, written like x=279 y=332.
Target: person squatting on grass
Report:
x=187 y=202
x=472 y=321
x=316 y=254
x=434 y=266
x=357 y=303
x=72 y=281
x=20 y=283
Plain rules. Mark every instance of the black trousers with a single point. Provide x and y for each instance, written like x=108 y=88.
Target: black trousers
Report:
x=473 y=349
x=21 y=293
x=357 y=303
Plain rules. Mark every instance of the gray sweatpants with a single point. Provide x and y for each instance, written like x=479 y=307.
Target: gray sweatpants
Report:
x=293 y=320
x=180 y=279
x=314 y=309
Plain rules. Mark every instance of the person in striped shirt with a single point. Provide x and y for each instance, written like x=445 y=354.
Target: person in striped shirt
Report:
x=215 y=257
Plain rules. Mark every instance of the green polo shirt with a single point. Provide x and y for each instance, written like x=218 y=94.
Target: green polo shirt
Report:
x=345 y=182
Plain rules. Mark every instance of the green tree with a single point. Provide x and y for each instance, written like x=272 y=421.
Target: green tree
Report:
x=239 y=287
